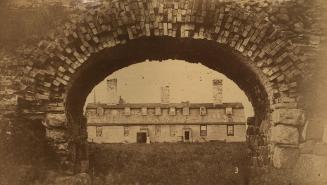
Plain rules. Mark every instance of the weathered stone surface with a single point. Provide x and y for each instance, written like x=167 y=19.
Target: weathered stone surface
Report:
x=58 y=135
x=61 y=148
x=320 y=149
x=284 y=134
x=288 y=116
x=79 y=179
x=307 y=147
x=280 y=34
x=55 y=120
x=324 y=136
x=315 y=130
x=285 y=157
x=311 y=169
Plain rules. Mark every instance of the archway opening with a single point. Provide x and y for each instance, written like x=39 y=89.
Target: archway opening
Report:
x=210 y=54
x=142 y=82
x=135 y=101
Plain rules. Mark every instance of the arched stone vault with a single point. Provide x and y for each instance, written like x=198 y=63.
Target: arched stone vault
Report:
x=209 y=53
x=226 y=36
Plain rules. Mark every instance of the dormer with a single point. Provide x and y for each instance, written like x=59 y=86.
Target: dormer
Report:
x=172 y=111
x=100 y=111
x=229 y=111
x=144 y=111
x=203 y=111
x=127 y=111
x=157 y=111
x=186 y=111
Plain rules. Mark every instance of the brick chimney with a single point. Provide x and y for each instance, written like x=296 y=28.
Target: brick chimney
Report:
x=217 y=91
x=112 y=91
x=165 y=94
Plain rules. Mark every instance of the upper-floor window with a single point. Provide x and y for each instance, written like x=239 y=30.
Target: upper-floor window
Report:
x=100 y=111
x=203 y=111
x=144 y=111
x=229 y=111
x=157 y=111
x=186 y=111
x=172 y=111
x=203 y=130
x=127 y=111
x=230 y=130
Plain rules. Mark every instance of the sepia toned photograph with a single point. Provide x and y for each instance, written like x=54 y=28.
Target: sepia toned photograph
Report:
x=163 y=92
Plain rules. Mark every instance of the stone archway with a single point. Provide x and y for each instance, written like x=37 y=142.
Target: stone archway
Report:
x=261 y=60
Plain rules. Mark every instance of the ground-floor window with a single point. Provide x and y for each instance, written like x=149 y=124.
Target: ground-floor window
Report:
x=98 y=130
x=172 y=130
x=203 y=130
x=230 y=130
x=126 y=131
x=157 y=129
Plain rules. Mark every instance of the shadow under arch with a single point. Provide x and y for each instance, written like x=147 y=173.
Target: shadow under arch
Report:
x=211 y=54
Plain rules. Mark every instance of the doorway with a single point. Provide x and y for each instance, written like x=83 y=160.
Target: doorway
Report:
x=187 y=135
x=141 y=137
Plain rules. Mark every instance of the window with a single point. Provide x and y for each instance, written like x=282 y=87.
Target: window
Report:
x=144 y=111
x=203 y=111
x=126 y=131
x=98 y=130
x=186 y=111
x=172 y=111
x=229 y=111
x=203 y=130
x=157 y=129
x=127 y=111
x=157 y=111
x=172 y=130
x=100 y=111
x=230 y=130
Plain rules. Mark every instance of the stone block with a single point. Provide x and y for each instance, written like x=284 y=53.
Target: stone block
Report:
x=320 y=149
x=314 y=130
x=307 y=147
x=62 y=148
x=285 y=157
x=324 y=135
x=57 y=135
x=288 y=116
x=55 y=120
x=284 y=134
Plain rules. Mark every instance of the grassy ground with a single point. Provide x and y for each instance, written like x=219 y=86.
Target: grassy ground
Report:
x=168 y=163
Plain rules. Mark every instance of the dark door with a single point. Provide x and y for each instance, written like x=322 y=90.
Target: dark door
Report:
x=187 y=135
x=141 y=137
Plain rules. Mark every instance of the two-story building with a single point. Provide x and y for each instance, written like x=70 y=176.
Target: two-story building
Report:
x=165 y=122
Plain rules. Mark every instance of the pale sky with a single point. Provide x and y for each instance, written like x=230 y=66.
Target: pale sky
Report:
x=140 y=83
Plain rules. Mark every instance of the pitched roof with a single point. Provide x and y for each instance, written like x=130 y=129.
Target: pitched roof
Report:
x=163 y=105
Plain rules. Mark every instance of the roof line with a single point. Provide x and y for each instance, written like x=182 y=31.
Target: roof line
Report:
x=193 y=123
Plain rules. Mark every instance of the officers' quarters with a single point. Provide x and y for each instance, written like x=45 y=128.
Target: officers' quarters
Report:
x=160 y=122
